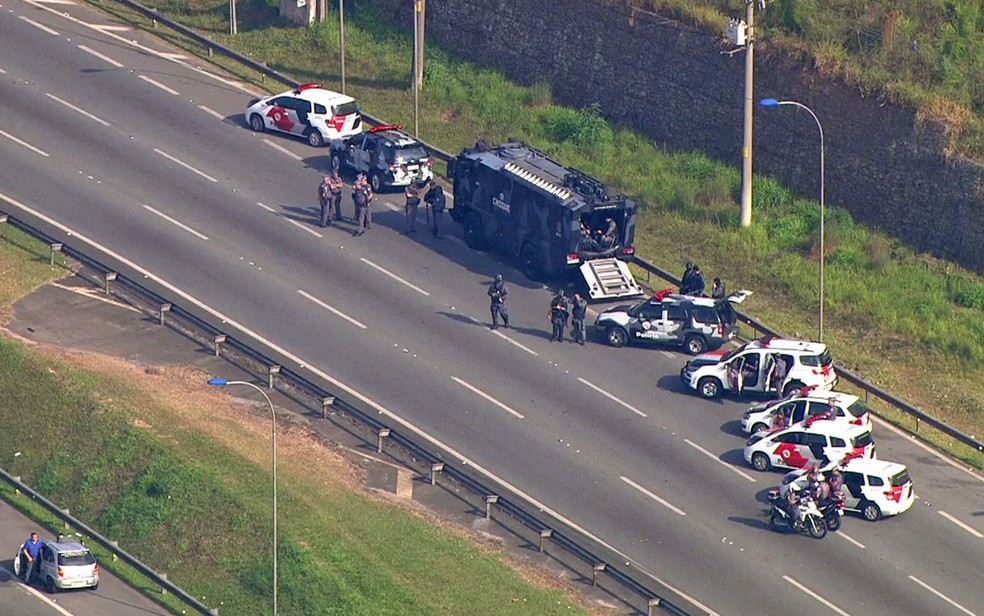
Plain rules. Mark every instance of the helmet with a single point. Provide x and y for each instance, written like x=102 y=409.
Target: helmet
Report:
x=498 y=277
x=690 y=265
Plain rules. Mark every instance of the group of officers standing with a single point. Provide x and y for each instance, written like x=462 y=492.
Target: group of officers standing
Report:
x=330 y=198
x=561 y=310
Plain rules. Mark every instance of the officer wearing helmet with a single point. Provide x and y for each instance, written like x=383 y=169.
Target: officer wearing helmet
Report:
x=558 y=315
x=497 y=295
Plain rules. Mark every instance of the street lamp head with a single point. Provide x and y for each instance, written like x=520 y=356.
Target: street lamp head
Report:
x=769 y=102
x=217 y=380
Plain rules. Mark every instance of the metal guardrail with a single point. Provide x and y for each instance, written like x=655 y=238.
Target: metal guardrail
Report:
x=132 y=288
x=107 y=544
x=853 y=378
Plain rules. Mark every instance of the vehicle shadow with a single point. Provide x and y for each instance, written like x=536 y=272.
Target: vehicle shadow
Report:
x=672 y=383
x=735 y=457
x=733 y=427
x=529 y=331
x=757 y=523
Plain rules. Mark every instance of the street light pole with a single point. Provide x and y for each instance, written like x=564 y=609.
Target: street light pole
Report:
x=273 y=416
x=771 y=102
x=746 y=145
x=341 y=39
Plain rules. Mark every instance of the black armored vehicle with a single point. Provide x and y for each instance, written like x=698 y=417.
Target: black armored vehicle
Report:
x=554 y=219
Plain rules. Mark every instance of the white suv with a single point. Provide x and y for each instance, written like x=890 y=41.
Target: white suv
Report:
x=873 y=488
x=308 y=111
x=801 y=406
x=755 y=367
x=812 y=442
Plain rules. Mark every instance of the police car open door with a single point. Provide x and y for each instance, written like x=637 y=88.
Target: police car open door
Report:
x=608 y=278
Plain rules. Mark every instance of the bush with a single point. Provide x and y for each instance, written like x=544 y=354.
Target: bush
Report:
x=970 y=296
x=584 y=127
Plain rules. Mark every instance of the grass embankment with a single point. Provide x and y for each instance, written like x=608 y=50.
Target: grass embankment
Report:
x=181 y=479
x=908 y=322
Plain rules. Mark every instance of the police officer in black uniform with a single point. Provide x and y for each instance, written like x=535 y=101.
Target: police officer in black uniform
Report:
x=413 y=201
x=558 y=316
x=361 y=200
x=435 y=199
x=335 y=185
x=497 y=294
x=579 y=309
x=324 y=198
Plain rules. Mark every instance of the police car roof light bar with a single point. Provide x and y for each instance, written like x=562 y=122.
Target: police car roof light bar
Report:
x=382 y=127
x=306 y=86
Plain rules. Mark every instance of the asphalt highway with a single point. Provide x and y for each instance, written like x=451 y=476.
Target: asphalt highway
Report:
x=145 y=157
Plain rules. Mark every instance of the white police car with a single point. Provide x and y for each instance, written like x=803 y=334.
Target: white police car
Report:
x=873 y=488
x=696 y=323
x=798 y=407
x=755 y=367
x=816 y=441
x=308 y=111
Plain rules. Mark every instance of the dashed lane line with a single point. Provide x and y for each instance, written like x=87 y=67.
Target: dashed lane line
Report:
x=303 y=227
x=331 y=309
x=160 y=85
x=25 y=144
x=482 y=394
x=655 y=497
x=174 y=222
x=266 y=207
x=394 y=276
x=77 y=109
x=844 y=535
x=815 y=596
x=185 y=165
x=941 y=596
x=212 y=112
x=102 y=57
x=40 y=26
x=718 y=460
x=382 y=410
x=282 y=149
x=970 y=529
x=612 y=397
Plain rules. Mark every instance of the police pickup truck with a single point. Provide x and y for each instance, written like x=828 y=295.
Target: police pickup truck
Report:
x=388 y=156
x=551 y=218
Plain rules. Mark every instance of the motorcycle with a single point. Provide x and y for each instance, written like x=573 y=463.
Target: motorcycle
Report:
x=832 y=509
x=807 y=519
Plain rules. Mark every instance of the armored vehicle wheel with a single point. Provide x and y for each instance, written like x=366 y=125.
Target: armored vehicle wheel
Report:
x=474 y=233
x=530 y=263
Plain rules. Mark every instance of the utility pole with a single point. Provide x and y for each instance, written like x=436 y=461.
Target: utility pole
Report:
x=232 y=17
x=341 y=40
x=418 y=60
x=746 y=145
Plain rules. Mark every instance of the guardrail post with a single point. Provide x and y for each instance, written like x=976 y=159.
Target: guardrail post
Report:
x=437 y=467
x=67 y=512
x=217 y=342
x=326 y=402
x=209 y=51
x=917 y=423
x=163 y=588
x=51 y=255
x=3 y=221
x=595 y=570
x=490 y=500
x=652 y=605
x=153 y=23
x=108 y=277
x=383 y=433
x=271 y=372
x=164 y=308
x=546 y=533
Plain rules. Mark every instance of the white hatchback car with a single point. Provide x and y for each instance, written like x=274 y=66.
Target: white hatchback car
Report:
x=815 y=441
x=308 y=111
x=839 y=406
x=63 y=563
x=873 y=488
x=767 y=365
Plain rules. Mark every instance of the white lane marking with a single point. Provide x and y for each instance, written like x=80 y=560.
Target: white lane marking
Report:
x=159 y=85
x=173 y=56
x=266 y=207
x=392 y=207
x=456 y=240
x=101 y=56
x=612 y=397
x=96 y=294
x=39 y=26
x=970 y=529
x=24 y=143
x=282 y=149
x=331 y=309
x=175 y=222
x=55 y=1
x=334 y=382
x=514 y=343
x=185 y=165
x=718 y=460
x=481 y=393
x=815 y=596
x=104 y=27
x=942 y=456
x=394 y=276
x=941 y=595
x=2 y=72
x=74 y=108
x=303 y=227
x=214 y=114
x=668 y=354
x=51 y=603
x=849 y=538
x=656 y=498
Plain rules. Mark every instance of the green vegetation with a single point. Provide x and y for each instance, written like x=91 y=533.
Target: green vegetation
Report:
x=925 y=53
x=182 y=481
x=906 y=321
